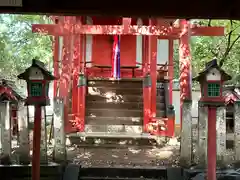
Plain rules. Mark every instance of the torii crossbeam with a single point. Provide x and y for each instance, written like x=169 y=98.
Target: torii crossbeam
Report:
x=160 y=31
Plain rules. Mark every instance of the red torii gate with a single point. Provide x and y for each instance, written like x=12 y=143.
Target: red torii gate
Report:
x=69 y=27
x=152 y=30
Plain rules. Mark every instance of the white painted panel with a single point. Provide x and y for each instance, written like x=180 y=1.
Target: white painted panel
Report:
x=214 y=74
x=36 y=74
x=60 y=49
x=139 y=44
x=196 y=95
x=176 y=103
x=89 y=40
x=162 y=51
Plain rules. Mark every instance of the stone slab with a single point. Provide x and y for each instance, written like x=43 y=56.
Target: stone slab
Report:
x=174 y=173
x=71 y=172
x=51 y=172
x=153 y=173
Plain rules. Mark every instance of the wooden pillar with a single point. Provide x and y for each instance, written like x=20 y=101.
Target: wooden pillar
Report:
x=171 y=121
x=79 y=63
x=146 y=84
x=75 y=90
x=186 y=134
x=185 y=64
x=6 y=139
x=185 y=93
x=23 y=130
x=43 y=147
x=212 y=147
x=56 y=56
x=237 y=130
x=76 y=64
x=82 y=91
x=202 y=135
x=59 y=133
x=152 y=55
x=36 y=154
x=221 y=133
x=64 y=82
x=65 y=76
x=170 y=70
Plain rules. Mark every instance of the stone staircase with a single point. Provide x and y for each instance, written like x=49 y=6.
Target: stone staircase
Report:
x=114 y=111
x=114 y=107
x=162 y=98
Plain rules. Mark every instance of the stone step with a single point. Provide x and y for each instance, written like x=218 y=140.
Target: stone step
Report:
x=125 y=98
x=124 y=83
x=101 y=112
x=112 y=140
x=114 y=135
x=120 y=105
x=114 y=120
x=134 y=129
x=112 y=178
x=119 y=91
x=135 y=173
x=114 y=112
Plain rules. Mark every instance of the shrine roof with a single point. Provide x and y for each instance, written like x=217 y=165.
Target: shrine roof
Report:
x=231 y=94
x=9 y=91
x=210 y=65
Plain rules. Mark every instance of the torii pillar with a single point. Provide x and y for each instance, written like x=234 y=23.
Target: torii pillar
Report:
x=185 y=80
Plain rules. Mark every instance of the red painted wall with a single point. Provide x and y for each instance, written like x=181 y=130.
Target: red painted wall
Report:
x=102 y=45
x=128 y=50
x=101 y=50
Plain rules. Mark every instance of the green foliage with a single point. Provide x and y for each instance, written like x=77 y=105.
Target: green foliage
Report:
x=18 y=45
x=226 y=49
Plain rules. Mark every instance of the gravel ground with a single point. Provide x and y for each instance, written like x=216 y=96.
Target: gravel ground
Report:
x=127 y=157
x=134 y=156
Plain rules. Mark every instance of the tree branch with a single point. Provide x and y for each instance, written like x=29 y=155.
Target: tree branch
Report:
x=209 y=22
x=214 y=53
x=228 y=46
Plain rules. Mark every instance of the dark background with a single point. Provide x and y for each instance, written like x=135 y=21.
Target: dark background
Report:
x=220 y=9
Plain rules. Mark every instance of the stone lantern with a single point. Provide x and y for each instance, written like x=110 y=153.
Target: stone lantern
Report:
x=38 y=79
x=211 y=116
x=211 y=81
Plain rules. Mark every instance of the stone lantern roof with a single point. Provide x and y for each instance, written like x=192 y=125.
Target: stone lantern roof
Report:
x=209 y=66
x=40 y=65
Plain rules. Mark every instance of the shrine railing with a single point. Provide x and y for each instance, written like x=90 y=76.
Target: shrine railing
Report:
x=127 y=71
